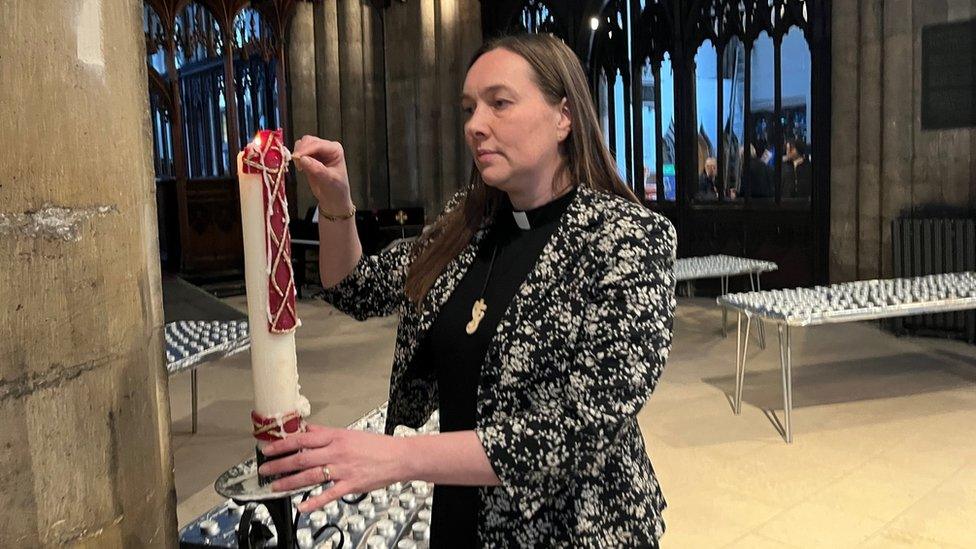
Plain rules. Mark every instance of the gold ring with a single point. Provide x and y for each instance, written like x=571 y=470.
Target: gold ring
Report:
x=326 y=473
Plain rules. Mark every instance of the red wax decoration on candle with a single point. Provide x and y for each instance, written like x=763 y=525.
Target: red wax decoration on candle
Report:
x=269 y=143
x=270 y=429
x=264 y=156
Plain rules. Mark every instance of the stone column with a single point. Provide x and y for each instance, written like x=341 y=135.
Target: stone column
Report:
x=402 y=26
x=897 y=129
x=870 y=140
x=349 y=76
x=450 y=138
x=374 y=99
x=84 y=421
x=301 y=77
x=428 y=159
x=845 y=109
x=354 y=139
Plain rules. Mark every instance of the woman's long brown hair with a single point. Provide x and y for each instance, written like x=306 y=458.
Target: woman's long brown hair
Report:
x=558 y=73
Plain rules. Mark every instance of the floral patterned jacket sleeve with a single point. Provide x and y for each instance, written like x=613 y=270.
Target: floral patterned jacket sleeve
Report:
x=620 y=352
x=375 y=285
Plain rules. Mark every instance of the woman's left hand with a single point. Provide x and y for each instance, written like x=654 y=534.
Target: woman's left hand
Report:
x=356 y=462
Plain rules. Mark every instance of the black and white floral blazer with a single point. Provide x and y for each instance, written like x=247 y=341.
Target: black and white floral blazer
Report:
x=575 y=356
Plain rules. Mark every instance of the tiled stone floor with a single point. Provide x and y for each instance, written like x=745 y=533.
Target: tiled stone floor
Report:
x=884 y=451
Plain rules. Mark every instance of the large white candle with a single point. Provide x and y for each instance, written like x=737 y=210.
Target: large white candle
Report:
x=278 y=406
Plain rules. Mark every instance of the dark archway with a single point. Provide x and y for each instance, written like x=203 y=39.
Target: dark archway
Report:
x=216 y=75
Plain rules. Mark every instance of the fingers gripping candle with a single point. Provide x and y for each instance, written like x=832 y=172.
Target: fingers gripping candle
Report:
x=279 y=409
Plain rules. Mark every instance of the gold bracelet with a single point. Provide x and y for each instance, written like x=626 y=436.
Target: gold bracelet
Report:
x=343 y=217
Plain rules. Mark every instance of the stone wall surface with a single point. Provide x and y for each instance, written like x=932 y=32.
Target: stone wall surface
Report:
x=883 y=164
x=84 y=420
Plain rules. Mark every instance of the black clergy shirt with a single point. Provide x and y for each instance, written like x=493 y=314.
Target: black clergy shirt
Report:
x=457 y=357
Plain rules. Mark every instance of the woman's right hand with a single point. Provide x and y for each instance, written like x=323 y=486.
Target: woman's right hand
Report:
x=325 y=165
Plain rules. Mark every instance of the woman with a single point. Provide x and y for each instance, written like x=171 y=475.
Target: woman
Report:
x=536 y=314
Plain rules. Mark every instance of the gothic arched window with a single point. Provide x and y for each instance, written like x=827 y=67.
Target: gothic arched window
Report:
x=753 y=73
x=156 y=38
x=638 y=108
x=160 y=101
x=214 y=79
x=686 y=90
x=255 y=68
x=198 y=36
x=536 y=17
x=199 y=48
x=612 y=66
x=744 y=65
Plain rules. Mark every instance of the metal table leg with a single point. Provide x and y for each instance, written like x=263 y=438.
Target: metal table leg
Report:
x=786 y=361
x=741 y=349
x=725 y=310
x=193 y=398
x=762 y=328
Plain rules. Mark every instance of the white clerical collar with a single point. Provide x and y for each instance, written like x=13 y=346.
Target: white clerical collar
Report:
x=542 y=215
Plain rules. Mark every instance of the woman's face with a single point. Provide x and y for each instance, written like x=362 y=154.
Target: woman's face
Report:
x=512 y=131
